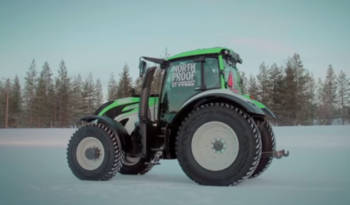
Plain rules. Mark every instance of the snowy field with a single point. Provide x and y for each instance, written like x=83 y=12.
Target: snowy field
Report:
x=33 y=170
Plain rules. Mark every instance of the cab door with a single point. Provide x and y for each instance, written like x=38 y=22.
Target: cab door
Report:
x=184 y=80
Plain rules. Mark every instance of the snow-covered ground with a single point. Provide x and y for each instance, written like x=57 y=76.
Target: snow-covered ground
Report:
x=33 y=170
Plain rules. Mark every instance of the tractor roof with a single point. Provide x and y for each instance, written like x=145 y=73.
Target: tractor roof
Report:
x=205 y=51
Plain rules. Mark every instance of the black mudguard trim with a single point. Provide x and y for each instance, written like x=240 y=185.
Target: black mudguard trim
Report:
x=268 y=112
x=227 y=95
x=247 y=105
x=114 y=125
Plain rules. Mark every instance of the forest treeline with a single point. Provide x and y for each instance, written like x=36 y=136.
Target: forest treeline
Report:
x=55 y=99
x=294 y=95
x=50 y=99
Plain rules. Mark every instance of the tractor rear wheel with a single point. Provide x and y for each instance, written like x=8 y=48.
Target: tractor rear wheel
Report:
x=218 y=144
x=94 y=153
x=268 y=146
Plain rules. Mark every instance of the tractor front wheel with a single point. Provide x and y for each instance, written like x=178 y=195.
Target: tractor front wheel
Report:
x=94 y=153
x=218 y=144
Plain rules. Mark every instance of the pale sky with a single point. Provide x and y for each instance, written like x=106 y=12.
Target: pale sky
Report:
x=101 y=36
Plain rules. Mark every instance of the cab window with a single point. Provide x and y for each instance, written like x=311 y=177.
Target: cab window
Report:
x=183 y=80
x=183 y=77
x=232 y=77
x=211 y=73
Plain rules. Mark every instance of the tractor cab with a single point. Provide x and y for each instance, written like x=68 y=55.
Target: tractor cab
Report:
x=191 y=73
x=215 y=68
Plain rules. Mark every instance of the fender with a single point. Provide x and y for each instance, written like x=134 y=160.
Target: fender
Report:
x=263 y=107
x=243 y=102
x=223 y=95
x=268 y=112
x=114 y=125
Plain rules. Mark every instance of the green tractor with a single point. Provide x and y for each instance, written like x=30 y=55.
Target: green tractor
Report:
x=198 y=116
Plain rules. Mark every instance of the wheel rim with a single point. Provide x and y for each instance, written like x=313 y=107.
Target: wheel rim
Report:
x=130 y=160
x=215 y=146
x=90 y=153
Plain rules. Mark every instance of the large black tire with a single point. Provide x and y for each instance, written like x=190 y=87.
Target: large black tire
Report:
x=268 y=146
x=245 y=132
x=85 y=148
x=134 y=166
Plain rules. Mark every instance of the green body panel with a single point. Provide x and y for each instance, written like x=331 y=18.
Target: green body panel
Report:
x=129 y=109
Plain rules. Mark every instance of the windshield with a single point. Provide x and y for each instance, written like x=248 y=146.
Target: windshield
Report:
x=232 y=76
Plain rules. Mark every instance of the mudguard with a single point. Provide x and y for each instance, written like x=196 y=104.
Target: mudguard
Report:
x=263 y=107
x=241 y=101
x=114 y=125
x=268 y=112
x=222 y=95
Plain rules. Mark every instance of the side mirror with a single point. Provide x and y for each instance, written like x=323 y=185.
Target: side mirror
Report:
x=142 y=67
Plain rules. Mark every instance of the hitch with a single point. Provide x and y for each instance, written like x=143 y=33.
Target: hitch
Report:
x=278 y=154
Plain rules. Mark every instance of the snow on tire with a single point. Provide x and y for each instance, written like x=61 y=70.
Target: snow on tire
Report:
x=218 y=144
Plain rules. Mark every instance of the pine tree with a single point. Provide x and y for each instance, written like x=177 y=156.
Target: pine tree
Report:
x=289 y=96
x=88 y=91
x=63 y=96
x=51 y=102
x=15 y=107
x=318 y=97
x=303 y=100
x=2 y=103
x=43 y=98
x=343 y=94
x=112 y=88
x=275 y=76
x=328 y=97
x=138 y=85
x=77 y=101
x=6 y=96
x=98 y=94
x=244 y=82
x=253 y=89
x=29 y=94
x=295 y=95
x=124 y=86
x=311 y=105
x=263 y=84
